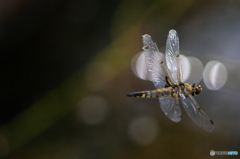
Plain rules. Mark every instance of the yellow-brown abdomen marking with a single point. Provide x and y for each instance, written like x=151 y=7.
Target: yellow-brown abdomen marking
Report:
x=143 y=95
x=153 y=93
x=164 y=91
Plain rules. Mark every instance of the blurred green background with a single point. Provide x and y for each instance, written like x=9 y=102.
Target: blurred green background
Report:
x=66 y=67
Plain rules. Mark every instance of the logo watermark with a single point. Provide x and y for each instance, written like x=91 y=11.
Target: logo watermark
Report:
x=212 y=152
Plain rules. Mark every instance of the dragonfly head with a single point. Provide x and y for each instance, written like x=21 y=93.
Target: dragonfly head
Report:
x=196 y=89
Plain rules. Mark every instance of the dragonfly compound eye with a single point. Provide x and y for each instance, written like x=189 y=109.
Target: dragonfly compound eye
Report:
x=197 y=88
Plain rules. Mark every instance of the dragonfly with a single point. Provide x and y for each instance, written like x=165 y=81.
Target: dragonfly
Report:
x=165 y=72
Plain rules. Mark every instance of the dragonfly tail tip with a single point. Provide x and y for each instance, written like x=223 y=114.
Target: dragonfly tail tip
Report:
x=129 y=95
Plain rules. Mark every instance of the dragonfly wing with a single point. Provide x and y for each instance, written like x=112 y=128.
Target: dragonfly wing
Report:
x=195 y=112
x=172 y=57
x=170 y=106
x=154 y=62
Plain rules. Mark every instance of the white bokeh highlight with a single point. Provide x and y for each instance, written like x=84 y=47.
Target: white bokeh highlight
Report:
x=143 y=130
x=192 y=68
x=92 y=110
x=214 y=75
x=196 y=70
x=139 y=66
x=186 y=68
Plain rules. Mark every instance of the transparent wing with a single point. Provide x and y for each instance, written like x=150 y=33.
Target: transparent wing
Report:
x=172 y=57
x=154 y=62
x=170 y=106
x=195 y=112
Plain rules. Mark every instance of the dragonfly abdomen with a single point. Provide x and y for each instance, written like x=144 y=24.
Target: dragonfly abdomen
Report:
x=153 y=93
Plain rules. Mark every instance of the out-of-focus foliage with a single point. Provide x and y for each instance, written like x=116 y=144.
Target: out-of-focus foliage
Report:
x=66 y=70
